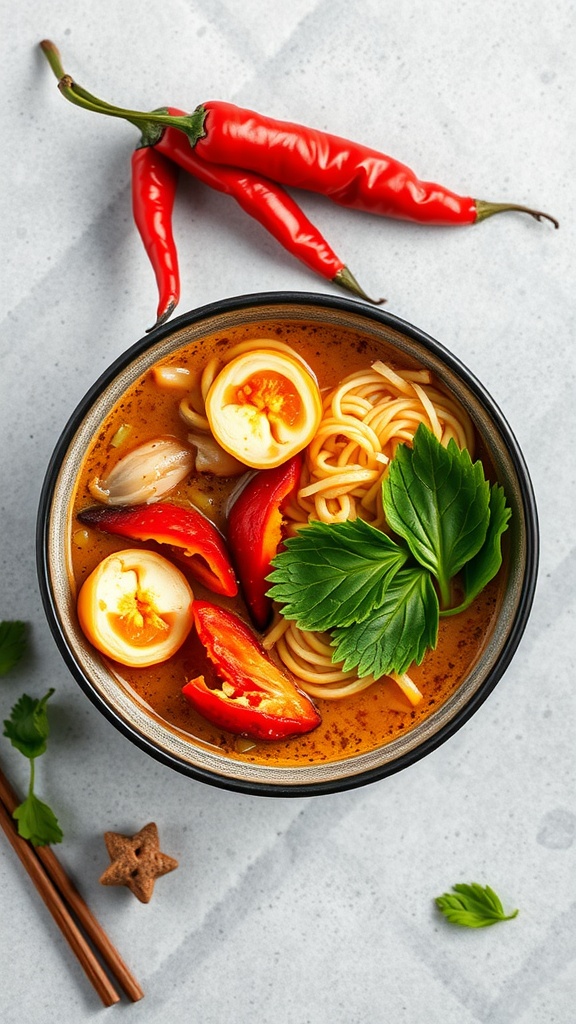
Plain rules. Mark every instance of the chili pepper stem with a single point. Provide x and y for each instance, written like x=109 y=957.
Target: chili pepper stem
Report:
x=345 y=279
x=484 y=210
x=150 y=123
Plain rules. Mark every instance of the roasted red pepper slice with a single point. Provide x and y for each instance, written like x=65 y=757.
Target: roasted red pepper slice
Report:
x=191 y=538
x=255 y=532
x=256 y=698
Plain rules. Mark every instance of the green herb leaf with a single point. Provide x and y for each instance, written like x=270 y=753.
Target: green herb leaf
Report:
x=37 y=822
x=334 y=574
x=12 y=644
x=437 y=500
x=396 y=633
x=473 y=906
x=484 y=566
x=27 y=728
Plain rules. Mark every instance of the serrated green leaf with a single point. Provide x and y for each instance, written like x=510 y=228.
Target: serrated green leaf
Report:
x=478 y=572
x=473 y=906
x=37 y=822
x=334 y=574
x=12 y=644
x=437 y=500
x=27 y=728
x=397 y=633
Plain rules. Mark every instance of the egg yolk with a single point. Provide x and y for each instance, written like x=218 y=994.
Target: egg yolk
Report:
x=274 y=395
x=263 y=407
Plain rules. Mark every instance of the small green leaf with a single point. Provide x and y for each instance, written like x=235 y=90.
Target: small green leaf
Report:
x=12 y=644
x=484 y=566
x=27 y=728
x=334 y=574
x=473 y=906
x=397 y=633
x=37 y=822
x=437 y=500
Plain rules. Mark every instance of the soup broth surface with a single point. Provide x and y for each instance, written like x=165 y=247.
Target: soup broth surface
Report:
x=350 y=726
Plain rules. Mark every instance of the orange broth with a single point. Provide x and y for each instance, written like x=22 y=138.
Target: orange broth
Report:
x=350 y=725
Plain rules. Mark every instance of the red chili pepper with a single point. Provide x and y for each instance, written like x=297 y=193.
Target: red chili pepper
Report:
x=293 y=154
x=256 y=699
x=191 y=538
x=225 y=135
x=154 y=181
x=347 y=172
x=265 y=201
x=255 y=532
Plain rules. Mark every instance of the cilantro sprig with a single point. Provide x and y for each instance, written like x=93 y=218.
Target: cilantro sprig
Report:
x=473 y=906
x=382 y=598
x=28 y=730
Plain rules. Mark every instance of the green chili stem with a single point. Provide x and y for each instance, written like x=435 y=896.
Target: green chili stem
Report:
x=52 y=55
x=484 y=210
x=145 y=121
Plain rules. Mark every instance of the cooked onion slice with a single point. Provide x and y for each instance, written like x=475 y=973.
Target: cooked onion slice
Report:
x=136 y=607
x=145 y=474
x=263 y=407
x=212 y=458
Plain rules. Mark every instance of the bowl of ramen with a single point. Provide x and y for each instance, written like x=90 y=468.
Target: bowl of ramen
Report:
x=287 y=544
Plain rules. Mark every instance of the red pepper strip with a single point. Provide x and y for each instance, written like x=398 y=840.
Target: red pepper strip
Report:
x=154 y=181
x=255 y=533
x=347 y=172
x=256 y=699
x=265 y=201
x=191 y=538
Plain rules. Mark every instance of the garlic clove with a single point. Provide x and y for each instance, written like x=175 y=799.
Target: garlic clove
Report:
x=146 y=474
x=212 y=458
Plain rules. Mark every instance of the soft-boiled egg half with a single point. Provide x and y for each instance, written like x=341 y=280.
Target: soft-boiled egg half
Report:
x=263 y=407
x=136 y=607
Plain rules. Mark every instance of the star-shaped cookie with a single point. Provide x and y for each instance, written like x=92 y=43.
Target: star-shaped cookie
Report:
x=136 y=861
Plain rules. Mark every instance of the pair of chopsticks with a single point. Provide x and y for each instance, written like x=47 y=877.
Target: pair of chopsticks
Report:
x=68 y=909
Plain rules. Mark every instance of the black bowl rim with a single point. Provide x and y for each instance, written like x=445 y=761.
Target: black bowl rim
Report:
x=379 y=315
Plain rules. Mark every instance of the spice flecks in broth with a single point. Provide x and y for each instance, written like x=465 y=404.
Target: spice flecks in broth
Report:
x=355 y=724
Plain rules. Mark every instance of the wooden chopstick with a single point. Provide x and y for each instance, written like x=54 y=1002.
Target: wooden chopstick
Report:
x=59 y=911
x=61 y=896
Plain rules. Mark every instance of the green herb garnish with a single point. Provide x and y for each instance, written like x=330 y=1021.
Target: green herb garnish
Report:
x=333 y=572
x=382 y=599
x=473 y=906
x=27 y=729
x=437 y=500
x=398 y=632
x=484 y=566
x=12 y=644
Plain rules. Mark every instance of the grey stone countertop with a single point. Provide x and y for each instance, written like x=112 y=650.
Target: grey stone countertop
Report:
x=307 y=910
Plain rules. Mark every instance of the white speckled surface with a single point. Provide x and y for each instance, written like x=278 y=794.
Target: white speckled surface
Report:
x=304 y=911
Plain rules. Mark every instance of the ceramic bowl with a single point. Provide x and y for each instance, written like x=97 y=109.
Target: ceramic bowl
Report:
x=178 y=749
